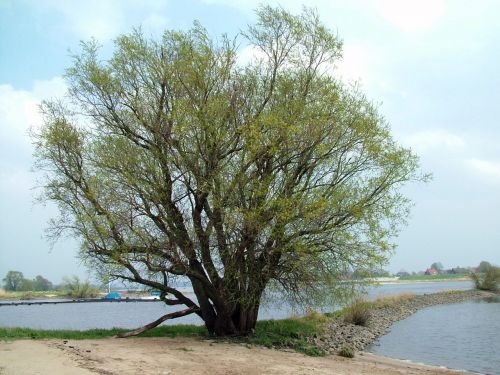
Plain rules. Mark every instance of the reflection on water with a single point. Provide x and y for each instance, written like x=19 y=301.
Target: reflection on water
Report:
x=463 y=336
x=134 y=314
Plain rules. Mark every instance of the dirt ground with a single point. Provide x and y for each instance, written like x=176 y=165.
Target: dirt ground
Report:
x=165 y=356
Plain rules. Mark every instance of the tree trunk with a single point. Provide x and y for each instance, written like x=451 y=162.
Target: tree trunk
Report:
x=246 y=319
x=228 y=316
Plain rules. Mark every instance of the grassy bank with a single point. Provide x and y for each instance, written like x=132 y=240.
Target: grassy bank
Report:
x=29 y=295
x=286 y=333
x=445 y=277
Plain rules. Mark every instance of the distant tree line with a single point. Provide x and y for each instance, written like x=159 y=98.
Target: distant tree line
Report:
x=15 y=281
x=435 y=268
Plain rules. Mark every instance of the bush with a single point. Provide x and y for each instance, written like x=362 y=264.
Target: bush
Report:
x=489 y=280
x=358 y=313
x=346 y=351
x=78 y=289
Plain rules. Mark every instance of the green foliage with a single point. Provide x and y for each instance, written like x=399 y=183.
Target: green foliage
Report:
x=40 y=283
x=484 y=267
x=346 y=351
x=78 y=289
x=13 y=280
x=171 y=158
x=489 y=280
x=357 y=313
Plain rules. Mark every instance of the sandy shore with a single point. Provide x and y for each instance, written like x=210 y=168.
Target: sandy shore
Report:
x=165 y=356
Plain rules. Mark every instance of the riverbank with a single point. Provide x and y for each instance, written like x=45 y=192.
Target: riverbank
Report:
x=382 y=314
x=172 y=356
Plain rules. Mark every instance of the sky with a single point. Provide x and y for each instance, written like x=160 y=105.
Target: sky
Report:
x=431 y=65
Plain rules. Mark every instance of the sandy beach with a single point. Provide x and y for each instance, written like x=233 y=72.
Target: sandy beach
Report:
x=166 y=356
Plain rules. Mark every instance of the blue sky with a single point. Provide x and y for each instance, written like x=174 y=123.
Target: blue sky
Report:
x=431 y=64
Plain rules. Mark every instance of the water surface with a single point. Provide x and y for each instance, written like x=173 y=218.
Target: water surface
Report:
x=82 y=316
x=463 y=336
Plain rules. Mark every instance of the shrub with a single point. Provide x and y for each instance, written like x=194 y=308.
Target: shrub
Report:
x=78 y=289
x=346 y=351
x=489 y=280
x=358 y=313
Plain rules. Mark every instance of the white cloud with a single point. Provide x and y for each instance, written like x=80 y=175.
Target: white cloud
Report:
x=18 y=113
x=485 y=167
x=434 y=140
x=19 y=108
x=412 y=15
x=249 y=54
x=355 y=63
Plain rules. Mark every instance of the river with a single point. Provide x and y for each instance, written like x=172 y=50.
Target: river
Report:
x=463 y=336
x=82 y=316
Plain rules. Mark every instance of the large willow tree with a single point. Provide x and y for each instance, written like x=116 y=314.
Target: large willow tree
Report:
x=173 y=159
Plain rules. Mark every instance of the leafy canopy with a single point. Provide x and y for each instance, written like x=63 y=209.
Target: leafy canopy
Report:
x=173 y=158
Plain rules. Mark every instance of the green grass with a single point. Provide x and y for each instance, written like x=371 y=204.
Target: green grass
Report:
x=164 y=331
x=290 y=333
x=433 y=277
x=286 y=333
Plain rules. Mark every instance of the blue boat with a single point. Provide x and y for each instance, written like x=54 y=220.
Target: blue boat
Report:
x=113 y=295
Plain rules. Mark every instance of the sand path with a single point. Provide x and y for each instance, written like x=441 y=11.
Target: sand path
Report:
x=165 y=356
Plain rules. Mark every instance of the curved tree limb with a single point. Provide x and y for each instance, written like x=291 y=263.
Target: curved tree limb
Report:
x=157 y=322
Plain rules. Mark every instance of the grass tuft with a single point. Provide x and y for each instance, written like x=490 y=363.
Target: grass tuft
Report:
x=346 y=351
x=358 y=313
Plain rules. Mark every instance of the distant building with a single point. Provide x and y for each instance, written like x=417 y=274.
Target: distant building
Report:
x=431 y=271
